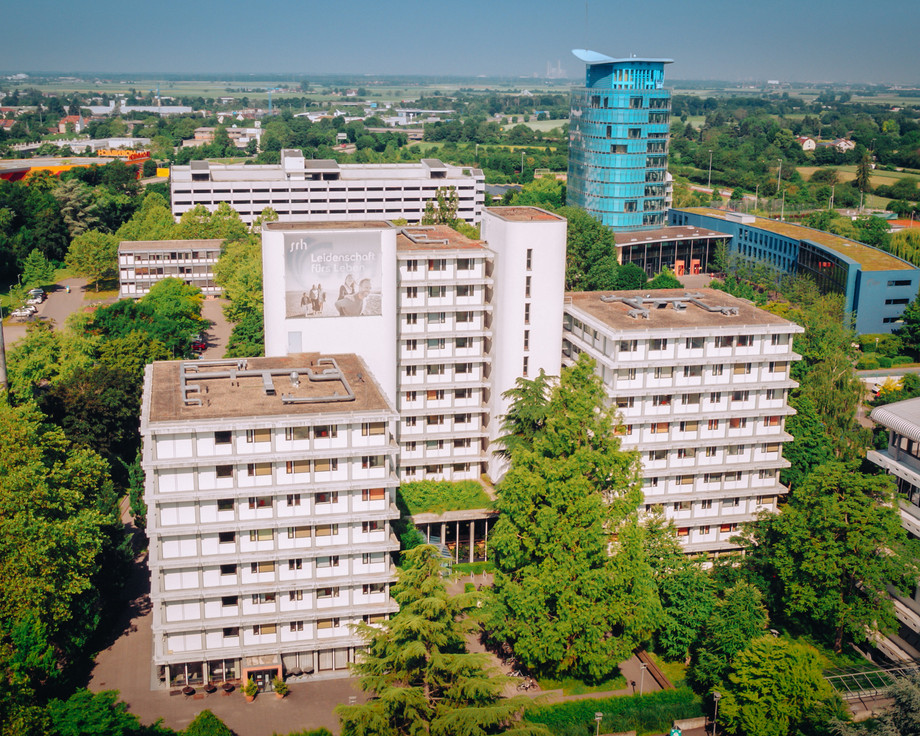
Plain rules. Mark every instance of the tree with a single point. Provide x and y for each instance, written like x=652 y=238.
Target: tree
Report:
x=153 y=220
x=736 y=618
x=87 y=714
x=629 y=277
x=207 y=724
x=909 y=331
x=573 y=591
x=864 y=173
x=36 y=269
x=442 y=210
x=77 y=206
x=590 y=252
x=664 y=280
x=94 y=255
x=834 y=549
x=775 y=688
x=416 y=665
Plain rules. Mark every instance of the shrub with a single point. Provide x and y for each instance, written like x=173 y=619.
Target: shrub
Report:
x=653 y=713
x=884 y=362
x=901 y=360
x=867 y=363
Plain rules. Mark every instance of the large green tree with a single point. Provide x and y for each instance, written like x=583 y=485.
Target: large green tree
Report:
x=574 y=592
x=591 y=262
x=417 y=667
x=94 y=255
x=775 y=688
x=833 y=550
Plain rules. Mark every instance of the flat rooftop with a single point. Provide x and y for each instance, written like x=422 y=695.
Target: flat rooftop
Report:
x=524 y=214
x=901 y=416
x=47 y=161
x=871 y=259
x=203 y=244
x=663 y=315
x=673 y=232
x=191 y=390
x=434 y=237
x=329 y=225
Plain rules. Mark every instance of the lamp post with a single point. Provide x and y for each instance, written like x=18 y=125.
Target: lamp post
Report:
x=716 y=696
x=643 y=668
x=709 y=180
x=597 y=718
x=522 y=167
x=779 y=174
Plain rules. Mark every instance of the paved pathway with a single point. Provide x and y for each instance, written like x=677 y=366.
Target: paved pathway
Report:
x=219 y=333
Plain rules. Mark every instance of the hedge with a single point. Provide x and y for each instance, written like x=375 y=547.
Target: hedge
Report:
x=652 y=713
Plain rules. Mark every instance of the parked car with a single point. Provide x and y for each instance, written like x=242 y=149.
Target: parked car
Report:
x=34 y=300
x=23 y=312
x=37 y=294
x=199 y=343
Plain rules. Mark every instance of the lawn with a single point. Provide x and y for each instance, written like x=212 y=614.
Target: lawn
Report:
x=572 y=686
x=436 y=497
x=676 y=672
x=542 y=125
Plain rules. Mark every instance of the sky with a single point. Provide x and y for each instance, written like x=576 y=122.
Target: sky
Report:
x=807 y=40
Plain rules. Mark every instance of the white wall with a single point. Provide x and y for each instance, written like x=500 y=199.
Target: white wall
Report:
x=510 y=239
x=371 y=337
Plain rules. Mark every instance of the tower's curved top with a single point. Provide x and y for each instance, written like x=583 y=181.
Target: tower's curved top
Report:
x=593 y=57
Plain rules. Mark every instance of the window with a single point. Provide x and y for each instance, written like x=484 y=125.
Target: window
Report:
x=527 y=314
x=331 y=561
x=261 y=535
x=437 y=264
x=625 y=402
x=711 y=478
x=735 y=450
x=729 y=503
x=435 y=420
x=771 y=394
x=628 y=346
x=626 y=374
x=462 y=342
x=293 y=499
x=712 y=451
x=771 y=447
x=228 y=601
x=682 y=506
x=529 y=259
x=658 y=343
x=224 y=471
x=296 y=466
x=684 y=480
x=658 y=455
x=411 y=370
x=373 y=428
x=660 y=428
x=693 y=371
x=326 y=466
x=226 y=537
x=527 y=283
x=372 y=461
x=664 y=372
x=411 y=292
x=899 y=282
x=772 y=421
x=296 y=433
x=298 y=532
x=661 y=400
x=706 y=504
x=464 y=264
x=525 y=366
x=436 y=318
x=526 y=339
x=463 y=393
x=258 y=435
x=223 y=438
x=259 y=598
x=685 y=453
x=373 y=494
x=412 y=318
x=713 y=424
x=737 y=423
x=253 y=469
x=715 y=397
x=327 y=497
x=412 y=265
x=777 y=366
x=225 y=504
x=436 y=343
x=260 y=502
x=411 y=396
x=694 y=343
x=331 y=592
x=745 y=341
x=327 y=623
x=231 y=632
x=295 y=595
x=370 y=526
x=704 y=531
x=327 y=530
x=690 y=399
x=740 y=395
x=295 y=564
x=261 y=567
x=296 y=625
x=727 y=528
x=324 y=431
x=463 y=317
x=717 y=370
x=724 y=341
x=228 y=569
x=689 y=426
x=436 y=369
x=465 y=290
x=776 y=340
x=741 y=369
x=265 y=629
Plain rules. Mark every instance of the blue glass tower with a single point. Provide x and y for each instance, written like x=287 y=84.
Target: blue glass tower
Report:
x=618 y=142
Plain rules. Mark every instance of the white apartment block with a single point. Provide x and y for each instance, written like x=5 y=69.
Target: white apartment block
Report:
x=301 y=189
x=142 y=263
x=445 y=323
x=701 y=382
x=270 y=487
x=902 y=459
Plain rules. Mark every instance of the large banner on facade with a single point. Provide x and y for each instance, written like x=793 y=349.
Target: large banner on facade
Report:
x=332 y=274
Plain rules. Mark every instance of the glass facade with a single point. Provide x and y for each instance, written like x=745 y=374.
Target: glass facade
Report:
x=618 y=144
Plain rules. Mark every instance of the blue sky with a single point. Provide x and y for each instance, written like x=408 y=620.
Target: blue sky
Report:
x=808 y=40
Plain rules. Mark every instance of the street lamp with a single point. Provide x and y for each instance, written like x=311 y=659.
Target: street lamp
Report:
x=643 y=668
x=598 y=717
x=716 y=696
x=709 y=180
x=779 y=174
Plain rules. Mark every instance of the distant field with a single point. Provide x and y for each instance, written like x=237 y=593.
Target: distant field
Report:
x=848 y=173
x=542 y=125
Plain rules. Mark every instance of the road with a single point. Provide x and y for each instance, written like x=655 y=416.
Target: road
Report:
x=56 y=308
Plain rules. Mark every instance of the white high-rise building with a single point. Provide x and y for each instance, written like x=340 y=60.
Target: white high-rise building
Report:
x=701 y=381
x=270 y=489
x=322 y=190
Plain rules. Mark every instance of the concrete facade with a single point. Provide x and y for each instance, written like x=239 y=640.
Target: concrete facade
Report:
x=142 y=263
x=301 y=189
x=701 y=382
x=270 y=486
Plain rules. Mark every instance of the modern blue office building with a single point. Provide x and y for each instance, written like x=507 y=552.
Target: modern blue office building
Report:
x=618 y=142
x=876 y=285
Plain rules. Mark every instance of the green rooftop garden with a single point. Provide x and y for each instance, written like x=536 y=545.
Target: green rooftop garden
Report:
x=438 y=496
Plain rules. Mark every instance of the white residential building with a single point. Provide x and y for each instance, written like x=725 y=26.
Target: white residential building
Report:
x=701 y=382
x=144 y=262
x=270 y=486
x=902 y=459
x=446 y=324
x=316 y=190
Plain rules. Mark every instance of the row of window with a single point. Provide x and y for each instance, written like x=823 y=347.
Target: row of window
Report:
x=294 y=499
x=323 y=465
x=320 y=431
x=689 y=453
x=440 y=264
x=705 y=504
x=656 y=344
x=730 y=476
x=696 y=371
x=693 y=426
x=293 y=532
